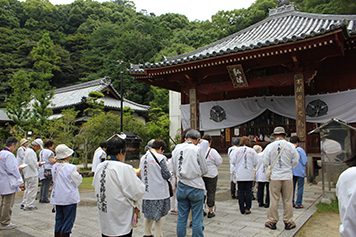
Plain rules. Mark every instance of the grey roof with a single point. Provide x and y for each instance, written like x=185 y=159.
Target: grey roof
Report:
x=283 y=25
x=72 y=95
x=333 y=120
x=3 y=116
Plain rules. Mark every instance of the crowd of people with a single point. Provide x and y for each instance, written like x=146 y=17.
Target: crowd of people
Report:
x=180 y=185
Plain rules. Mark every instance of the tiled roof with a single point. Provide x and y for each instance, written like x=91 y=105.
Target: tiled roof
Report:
x=284 y=24
x=3 y=116
x=72 y=95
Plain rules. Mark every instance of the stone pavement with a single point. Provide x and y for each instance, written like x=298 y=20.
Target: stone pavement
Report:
x=227 y=222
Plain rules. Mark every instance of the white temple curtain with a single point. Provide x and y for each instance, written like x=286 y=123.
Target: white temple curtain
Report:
x=230 y=113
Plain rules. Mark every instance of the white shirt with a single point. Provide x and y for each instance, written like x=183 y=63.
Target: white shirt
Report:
x=20 y=155
x=10 y=178
x=282 y=170
x=99 y=155
x=115 y=212
x=213 y=162
x=346 y=194
x=244 y=160
x=65 y=184
x=229 y=154
x=261 y=172
x=156 y=187
x=31 y=160
x=189 y=164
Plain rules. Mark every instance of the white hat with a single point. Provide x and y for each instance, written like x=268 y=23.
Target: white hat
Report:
x=23 y=141
x=37 y=142
x=62 y=151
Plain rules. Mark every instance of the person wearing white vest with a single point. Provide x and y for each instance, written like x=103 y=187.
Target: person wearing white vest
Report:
x=10 y=181
x=346 y=194
x=189 y=165
x=65 y=193
x=213 y=161
x=115 y=182
x=21 y=151
x=284 y=156
x=30 y=174
x=235 y=143
x=45 y=172
x=154 y=175
x=99 y=155
x=261 y=179
x=244 y=160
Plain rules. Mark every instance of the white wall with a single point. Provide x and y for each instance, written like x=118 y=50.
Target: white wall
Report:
x=174 y=113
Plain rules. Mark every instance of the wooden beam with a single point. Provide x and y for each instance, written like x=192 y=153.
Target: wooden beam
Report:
x=273 y=80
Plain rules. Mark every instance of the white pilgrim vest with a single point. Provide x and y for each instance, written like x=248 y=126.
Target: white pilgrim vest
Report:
x=64 y=191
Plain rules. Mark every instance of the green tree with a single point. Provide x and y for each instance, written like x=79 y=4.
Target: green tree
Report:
x=62 y=130
x=17 y=105
x=95 y=106
x=45 y=59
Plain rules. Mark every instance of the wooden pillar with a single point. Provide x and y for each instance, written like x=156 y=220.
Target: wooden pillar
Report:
x=300 y=107
x=193 y=108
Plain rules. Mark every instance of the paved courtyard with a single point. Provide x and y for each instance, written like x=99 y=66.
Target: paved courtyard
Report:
x=228 y=220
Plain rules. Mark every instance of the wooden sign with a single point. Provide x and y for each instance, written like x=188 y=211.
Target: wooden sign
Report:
x=193 y=108
x=237 y=76
x=227 y=135
x=300 y=106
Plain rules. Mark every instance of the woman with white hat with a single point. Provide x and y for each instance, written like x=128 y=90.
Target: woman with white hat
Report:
x=65 y=193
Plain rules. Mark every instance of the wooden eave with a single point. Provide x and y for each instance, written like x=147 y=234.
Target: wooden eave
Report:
x=317 y=48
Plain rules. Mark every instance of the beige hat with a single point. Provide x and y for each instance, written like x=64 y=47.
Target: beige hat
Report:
x=279 y=131
x=23 y=141
x=257 y=148
x=62 y=151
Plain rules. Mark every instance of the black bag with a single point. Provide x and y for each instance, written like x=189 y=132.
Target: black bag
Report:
x=170 y=188
x=48 y=173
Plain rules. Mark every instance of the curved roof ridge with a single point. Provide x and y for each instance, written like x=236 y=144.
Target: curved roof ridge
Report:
x=102 y=81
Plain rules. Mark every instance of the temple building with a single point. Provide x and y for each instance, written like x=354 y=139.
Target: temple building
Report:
x=292 y=69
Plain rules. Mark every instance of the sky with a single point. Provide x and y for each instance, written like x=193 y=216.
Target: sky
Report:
x=193 y=9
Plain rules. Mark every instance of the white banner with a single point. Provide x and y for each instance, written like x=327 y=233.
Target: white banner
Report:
x=230 y=113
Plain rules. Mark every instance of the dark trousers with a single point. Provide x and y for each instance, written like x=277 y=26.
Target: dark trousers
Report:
x=210 y=186
x=233 y=189
x=260 y=192
x=65 y=217
x=127 y=235
x=245 y=195
x=44 y=190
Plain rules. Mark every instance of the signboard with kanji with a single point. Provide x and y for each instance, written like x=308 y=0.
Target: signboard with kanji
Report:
x=237 y=76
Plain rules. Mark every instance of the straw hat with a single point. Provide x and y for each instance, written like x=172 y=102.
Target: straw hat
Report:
x=23 y=141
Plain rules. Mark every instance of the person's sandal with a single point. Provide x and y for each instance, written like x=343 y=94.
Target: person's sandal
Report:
x=289 y=225
x=301 y=206
x=271 y=225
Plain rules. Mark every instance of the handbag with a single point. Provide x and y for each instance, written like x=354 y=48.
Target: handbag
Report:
x=48 y=173
x=169 y=183
x=269 y=167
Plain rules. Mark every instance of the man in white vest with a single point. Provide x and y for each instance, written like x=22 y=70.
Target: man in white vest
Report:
x=189 y=164
x=30 y=174
x=284 y=156
x=10 y=182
